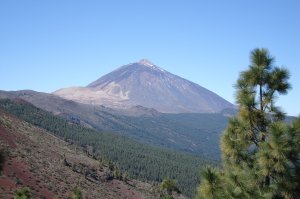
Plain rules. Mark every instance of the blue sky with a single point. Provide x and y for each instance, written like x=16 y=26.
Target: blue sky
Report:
x=50 y=44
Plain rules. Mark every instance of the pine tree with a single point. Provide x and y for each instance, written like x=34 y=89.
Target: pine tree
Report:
x=261 y=153
x=167 y=187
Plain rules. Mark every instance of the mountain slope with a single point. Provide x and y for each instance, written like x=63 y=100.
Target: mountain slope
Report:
x=53 y=168
x=145 y=84
x=196 y=133
x=141 y=161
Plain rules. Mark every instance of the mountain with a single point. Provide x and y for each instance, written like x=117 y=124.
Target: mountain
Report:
x=145 y=84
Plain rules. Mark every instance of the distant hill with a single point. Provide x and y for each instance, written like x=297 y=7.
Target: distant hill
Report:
x=145 y=84
x=196 y=133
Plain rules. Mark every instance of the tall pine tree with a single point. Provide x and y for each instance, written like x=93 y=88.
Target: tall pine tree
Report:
x=261 y=153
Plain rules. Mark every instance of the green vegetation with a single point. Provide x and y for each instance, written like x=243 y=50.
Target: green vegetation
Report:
x=167 y=187
x=141 y=161
x=260 y=151
x=77 y=194
x=196 y=133
x=23 y=193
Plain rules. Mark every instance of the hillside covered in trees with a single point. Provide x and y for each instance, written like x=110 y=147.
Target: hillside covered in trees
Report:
x=140 y=161
x=195 y=133
x=36 y=164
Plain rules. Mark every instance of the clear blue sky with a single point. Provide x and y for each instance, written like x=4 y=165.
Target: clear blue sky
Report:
x=50 y=44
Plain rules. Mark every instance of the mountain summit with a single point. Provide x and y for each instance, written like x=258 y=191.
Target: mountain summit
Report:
x=146 y=62
x=145 y=84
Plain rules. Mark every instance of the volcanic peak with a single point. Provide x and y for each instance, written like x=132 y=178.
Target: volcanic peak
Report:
x=146 y=62
x=149 y=64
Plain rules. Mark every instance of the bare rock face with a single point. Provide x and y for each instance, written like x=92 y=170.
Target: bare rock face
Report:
x=145 y=84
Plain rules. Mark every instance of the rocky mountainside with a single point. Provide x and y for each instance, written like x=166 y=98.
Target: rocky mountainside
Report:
x=145 y=84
